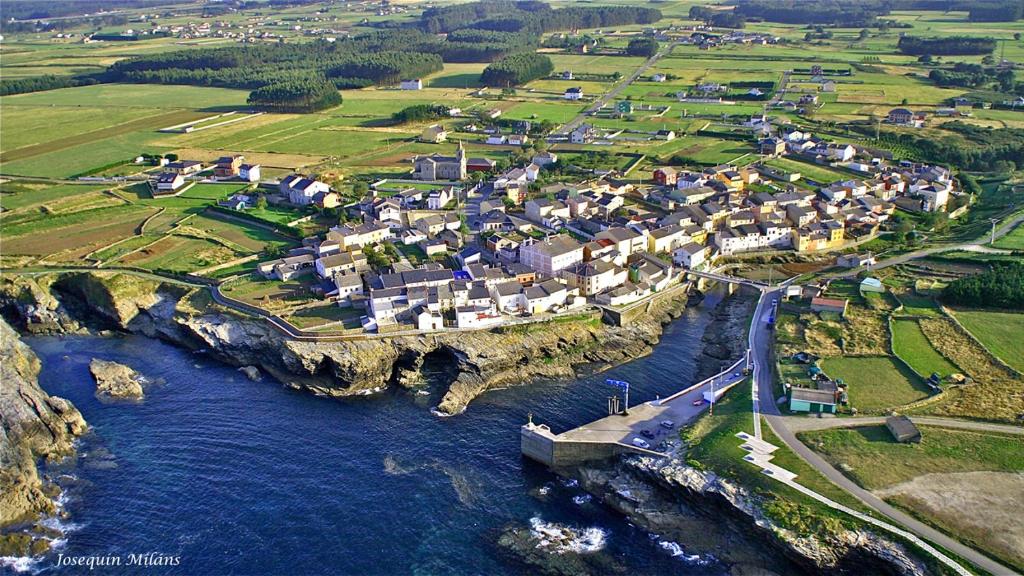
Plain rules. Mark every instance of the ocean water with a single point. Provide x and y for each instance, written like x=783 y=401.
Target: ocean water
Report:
x=239 y=477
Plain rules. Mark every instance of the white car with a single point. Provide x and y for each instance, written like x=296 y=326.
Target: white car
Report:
x=641 y=443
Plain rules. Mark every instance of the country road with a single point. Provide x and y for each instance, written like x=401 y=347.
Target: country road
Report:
x=1003 y=229
x=763 y=404
x=616 y=90
x=807 y=423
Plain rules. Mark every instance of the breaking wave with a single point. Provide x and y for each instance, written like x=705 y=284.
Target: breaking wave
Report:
x=561 y=539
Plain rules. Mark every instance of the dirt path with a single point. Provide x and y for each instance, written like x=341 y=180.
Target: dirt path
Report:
x=984 y=508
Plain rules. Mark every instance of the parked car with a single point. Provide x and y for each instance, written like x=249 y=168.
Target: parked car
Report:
x=668 y=424
x=697 y=402
x=647 y=434
x=641 y=443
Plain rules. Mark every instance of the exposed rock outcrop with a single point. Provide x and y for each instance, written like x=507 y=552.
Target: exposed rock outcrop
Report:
x=252 y=373
x=35 y=425
x=115 y=380
x=669 y=498
x=483 y=359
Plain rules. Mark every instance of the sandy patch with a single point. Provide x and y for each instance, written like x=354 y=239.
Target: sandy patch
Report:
x=983 y=507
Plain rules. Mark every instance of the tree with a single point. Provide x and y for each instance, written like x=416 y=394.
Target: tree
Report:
x=1006 y=80
x=360 y=188
x=375 y=258
x=517 y=69
x=644 y=47
x=261 y=202
x=863 y=35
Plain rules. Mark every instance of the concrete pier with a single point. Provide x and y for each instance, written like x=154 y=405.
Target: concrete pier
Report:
x=614 y=434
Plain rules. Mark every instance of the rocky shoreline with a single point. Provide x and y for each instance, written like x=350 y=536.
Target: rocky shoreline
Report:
x=83 y=302
x=36 y=426
x=670 y=498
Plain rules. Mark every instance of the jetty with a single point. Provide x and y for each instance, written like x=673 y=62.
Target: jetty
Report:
x=614 y=434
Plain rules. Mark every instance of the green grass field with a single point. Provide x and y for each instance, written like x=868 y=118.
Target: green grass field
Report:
x=877 y=461
x=911 y=345
x=876 y=382
x=1001 y=332
x=1012 y=241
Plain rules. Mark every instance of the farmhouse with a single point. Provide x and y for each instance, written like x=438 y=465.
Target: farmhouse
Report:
x=249 y=172
x=228 y=166
x=169 y=182
x=820 y=304
x=184 y=167
x=900 y=116
x=302 y=191
x=435 y=133
x=415 y=84
x=574 y=93
x=665 y=176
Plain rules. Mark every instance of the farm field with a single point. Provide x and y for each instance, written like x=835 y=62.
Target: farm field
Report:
x=911 y=345
x=950 y=470
x=100 y=125
x=15 y=195
x=1001 y=332
x=806 y=170
x=876 y=383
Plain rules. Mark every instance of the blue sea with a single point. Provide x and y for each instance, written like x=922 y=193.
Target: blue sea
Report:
x=231 y=476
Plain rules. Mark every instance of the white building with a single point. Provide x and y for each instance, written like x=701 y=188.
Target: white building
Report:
x=415 y=84
x=574 y=93
x=551 y=255
x=691 y=255
x=249 y=172
x=438 y=199
x=301 y=190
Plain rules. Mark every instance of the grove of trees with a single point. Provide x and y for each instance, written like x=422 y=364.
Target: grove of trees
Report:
x=531 y=16
x=645 y=47
x=946 y=45
x=1000 y=287
x=307 y=95
x=517 y=69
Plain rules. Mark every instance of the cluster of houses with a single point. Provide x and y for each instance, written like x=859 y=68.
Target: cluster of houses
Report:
x=175 y=175
x=705 y=40
x=757 y=208
x=916 y=187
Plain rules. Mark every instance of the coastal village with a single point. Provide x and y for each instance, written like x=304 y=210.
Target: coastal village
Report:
x=501 y=246
x=757 y=261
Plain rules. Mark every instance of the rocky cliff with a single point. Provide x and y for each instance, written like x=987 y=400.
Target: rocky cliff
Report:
x=35 y=425
x=668 y=497
x=72 y=302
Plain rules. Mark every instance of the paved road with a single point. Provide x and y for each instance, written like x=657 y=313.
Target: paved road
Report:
x=615 y=91
x=781 y=91
x=1001 y=231
x=764 y=404
x=805 y=423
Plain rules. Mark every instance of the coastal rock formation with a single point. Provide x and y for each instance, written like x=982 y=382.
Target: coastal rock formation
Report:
x=672 y=499
x=35 y=425
x=252 y=373
x=483 y=359
x=725 y=338
x=557 y=550
x=115 y=380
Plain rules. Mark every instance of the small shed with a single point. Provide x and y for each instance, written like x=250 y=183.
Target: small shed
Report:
x=812 y=400
x=902 y=429
x=871 y=285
